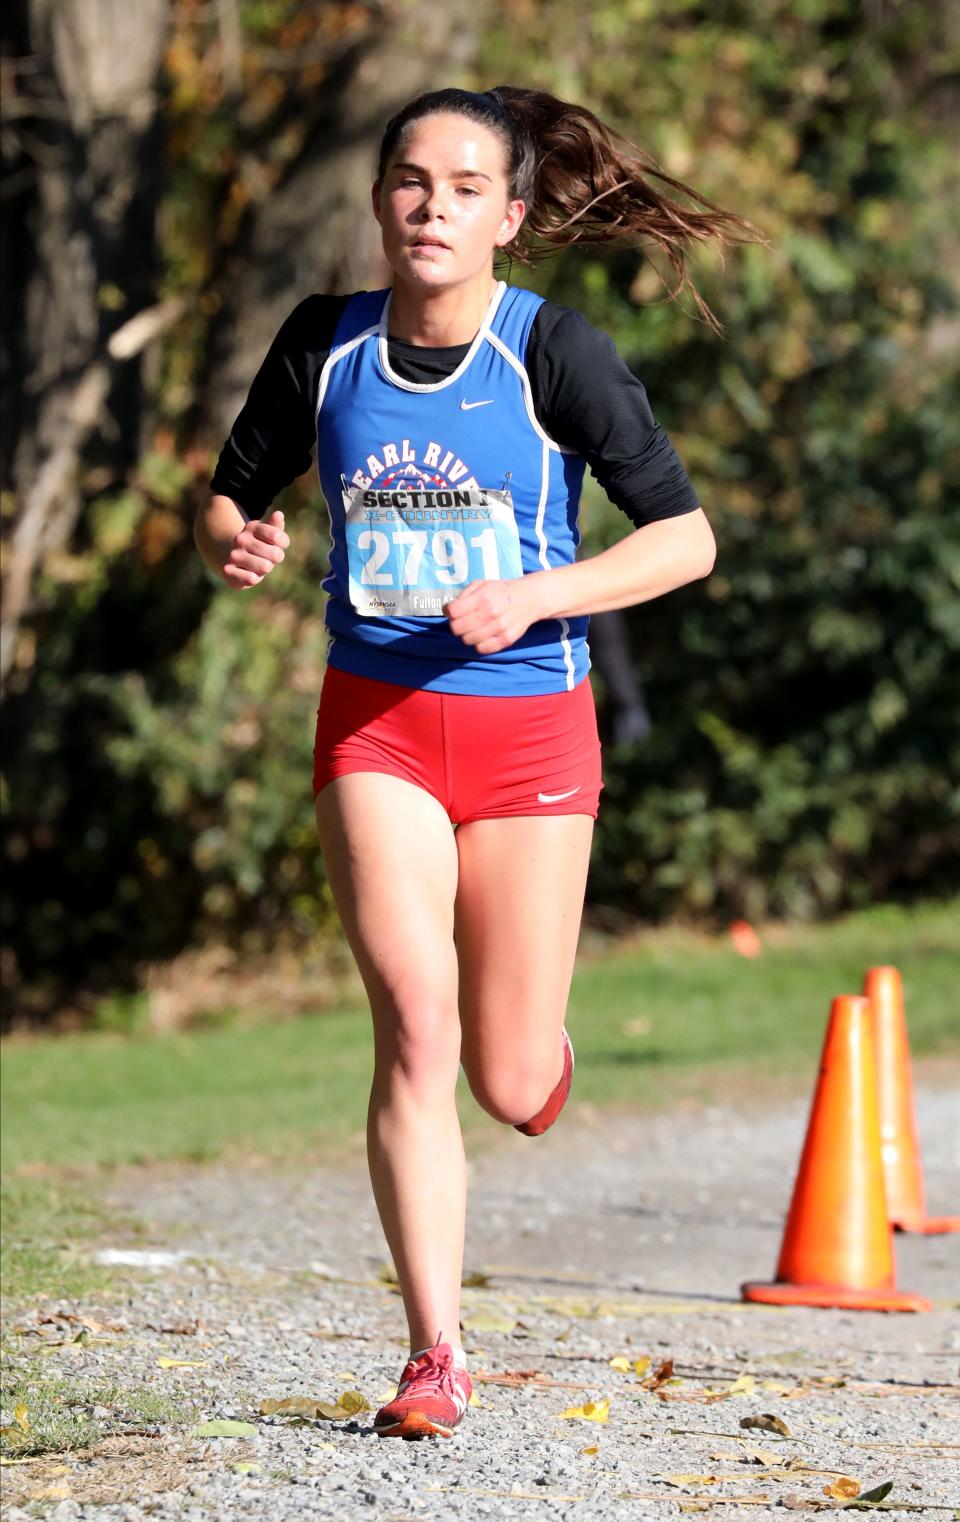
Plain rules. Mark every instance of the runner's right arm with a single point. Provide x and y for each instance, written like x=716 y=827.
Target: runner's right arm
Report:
x=239 y=550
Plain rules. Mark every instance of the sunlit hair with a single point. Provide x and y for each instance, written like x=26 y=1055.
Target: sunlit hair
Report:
x=580 y=181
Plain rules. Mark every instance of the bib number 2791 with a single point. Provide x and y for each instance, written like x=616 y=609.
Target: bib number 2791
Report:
x=409 y=551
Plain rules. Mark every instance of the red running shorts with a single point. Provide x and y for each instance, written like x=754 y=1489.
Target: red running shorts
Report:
x=480 y=757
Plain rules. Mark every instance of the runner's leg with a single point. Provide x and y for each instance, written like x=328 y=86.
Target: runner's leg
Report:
x=518 y=908
x=391 y=862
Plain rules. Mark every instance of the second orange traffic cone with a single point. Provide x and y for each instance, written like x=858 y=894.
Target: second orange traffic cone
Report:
x=900 y=1146
x=838 y=1246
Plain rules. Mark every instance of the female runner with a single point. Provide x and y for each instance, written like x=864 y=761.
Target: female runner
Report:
x=457 y=765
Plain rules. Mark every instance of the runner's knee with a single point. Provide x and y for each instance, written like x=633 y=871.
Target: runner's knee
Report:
x=417 y=1040
x=513 y=1092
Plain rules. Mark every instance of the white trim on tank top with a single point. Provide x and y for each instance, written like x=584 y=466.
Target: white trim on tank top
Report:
x=448 y=380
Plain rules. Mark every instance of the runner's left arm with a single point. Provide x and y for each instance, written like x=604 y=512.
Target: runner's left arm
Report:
x=587 y=399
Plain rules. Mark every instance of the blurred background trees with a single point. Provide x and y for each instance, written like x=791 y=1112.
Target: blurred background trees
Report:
x=179 y=174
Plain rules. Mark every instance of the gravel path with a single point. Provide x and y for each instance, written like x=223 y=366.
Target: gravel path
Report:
x=606 y=1237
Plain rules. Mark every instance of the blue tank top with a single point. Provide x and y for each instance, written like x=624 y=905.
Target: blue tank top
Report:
x=475 y=429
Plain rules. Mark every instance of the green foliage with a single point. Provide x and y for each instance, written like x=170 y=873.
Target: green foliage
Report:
x=805 y=698
x=228 y=742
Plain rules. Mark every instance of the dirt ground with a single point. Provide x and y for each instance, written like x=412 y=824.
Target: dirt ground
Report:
x=624 y=1237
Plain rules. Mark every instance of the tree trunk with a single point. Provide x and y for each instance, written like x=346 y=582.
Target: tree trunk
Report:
x=316 y=231
x=84 y=118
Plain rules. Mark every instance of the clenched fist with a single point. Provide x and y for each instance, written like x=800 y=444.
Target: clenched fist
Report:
x=490 y=615
x=258 y=547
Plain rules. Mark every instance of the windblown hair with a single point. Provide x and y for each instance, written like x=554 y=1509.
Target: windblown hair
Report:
x=581 y=181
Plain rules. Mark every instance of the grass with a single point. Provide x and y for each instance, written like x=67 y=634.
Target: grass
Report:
x=58 y=1411
x=46 y=1224
x=669 y=1015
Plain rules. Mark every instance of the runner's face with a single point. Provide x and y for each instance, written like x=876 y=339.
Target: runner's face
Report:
x=443 y=204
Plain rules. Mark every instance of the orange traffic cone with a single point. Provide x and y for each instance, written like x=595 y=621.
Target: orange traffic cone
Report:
x=838 y=1247
x=900 y=1147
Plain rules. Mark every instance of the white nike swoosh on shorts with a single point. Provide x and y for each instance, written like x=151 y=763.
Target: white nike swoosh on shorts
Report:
x=469 y=406
x=556 y=797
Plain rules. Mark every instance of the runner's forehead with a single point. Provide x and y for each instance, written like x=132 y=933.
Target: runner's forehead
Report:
x=451 y=144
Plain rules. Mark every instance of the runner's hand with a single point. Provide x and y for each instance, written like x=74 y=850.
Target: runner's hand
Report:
x=490 y=615
x=258 y=547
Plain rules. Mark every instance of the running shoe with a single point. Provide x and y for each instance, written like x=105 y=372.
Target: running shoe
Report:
x=545 y=1118
x=432 y=1396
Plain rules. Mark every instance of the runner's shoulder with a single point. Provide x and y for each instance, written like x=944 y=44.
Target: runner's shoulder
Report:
x=311 y=325
x=565 y=337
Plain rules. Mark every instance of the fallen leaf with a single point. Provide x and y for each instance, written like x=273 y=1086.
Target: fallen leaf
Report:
x=247 y=1466
x=744 y=1385
x=641 y=1366
x=875 y=1496
x=761 y=1456
x=475 y=1280
x=766 y=1422
x=487 y=1321
x=182 y=1363
x=21 y=1418
x=352 y=1401
x=590 y=1411
x=223 y=1428
x=843 y=1489
x=591 y=1450
x=474 y=1399
x=659 y=1376
x=291 y=1405
x=687 y=1479
x=621 y=1363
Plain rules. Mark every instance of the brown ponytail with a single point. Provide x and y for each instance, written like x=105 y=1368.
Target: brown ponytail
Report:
x=579 y=184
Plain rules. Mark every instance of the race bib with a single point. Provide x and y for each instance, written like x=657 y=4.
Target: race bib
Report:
x=409 y=552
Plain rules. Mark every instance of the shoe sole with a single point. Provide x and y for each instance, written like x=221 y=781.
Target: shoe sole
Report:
x=414 y=1424
x=530 y=1127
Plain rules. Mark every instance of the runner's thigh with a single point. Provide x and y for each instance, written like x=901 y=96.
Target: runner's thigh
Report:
x=391 y=861
x=518 y=909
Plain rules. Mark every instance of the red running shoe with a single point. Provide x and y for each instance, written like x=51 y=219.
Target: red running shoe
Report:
x=545 y=1118
x=431 y=1399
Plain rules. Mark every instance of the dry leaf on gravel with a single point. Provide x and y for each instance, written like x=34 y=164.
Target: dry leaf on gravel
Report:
x=843 y=1489
x=687 y=1479
x=766 y=1422
x=590 y=1411
x=660 y=1375
x=488 y=1321
x=182 y=1363
x=762 y=1456
x=350 y=1402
